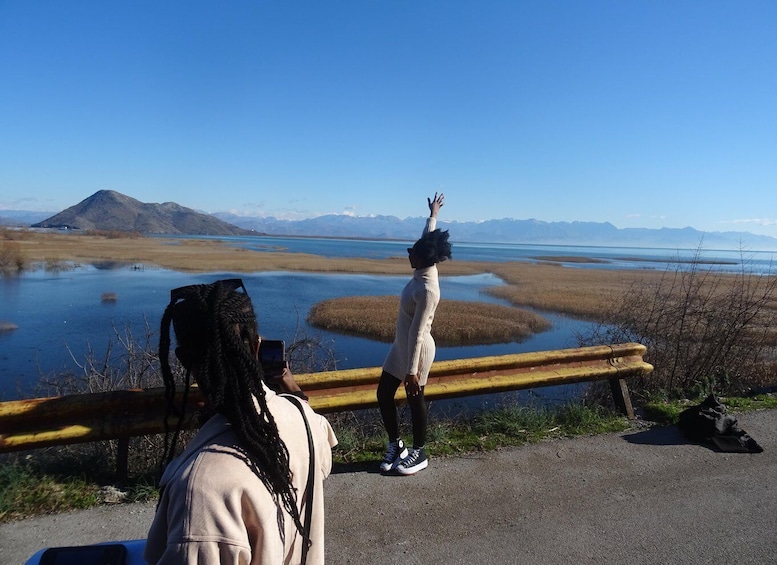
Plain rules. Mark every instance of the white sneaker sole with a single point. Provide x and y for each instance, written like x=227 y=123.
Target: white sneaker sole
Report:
x=386 y=467
x=414 y=469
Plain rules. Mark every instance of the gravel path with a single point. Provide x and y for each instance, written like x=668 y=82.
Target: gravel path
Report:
x=642 y=497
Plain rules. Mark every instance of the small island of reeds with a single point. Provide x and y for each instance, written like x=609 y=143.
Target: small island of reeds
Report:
x=456 y=322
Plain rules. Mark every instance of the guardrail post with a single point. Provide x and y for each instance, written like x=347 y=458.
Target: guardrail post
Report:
x=621 y=396
x=122 y=460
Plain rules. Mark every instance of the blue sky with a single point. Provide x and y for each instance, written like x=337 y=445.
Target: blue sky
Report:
x=639 y=113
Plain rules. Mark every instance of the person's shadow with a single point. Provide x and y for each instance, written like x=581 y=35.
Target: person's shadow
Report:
x=672 y=435
x=363 y=467
x=658 y=435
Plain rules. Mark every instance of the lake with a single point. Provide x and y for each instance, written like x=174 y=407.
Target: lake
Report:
x=760 y=262
x=61 y=316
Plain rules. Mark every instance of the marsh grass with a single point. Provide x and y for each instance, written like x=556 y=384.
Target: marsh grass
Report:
x=11 y=257
x=195 y=255
x=568 y=259
x=456 y=322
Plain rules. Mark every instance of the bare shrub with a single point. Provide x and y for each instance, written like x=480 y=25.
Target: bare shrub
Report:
x=705 y=330
x=11 y=257
x=128 y=363
x=131 y=361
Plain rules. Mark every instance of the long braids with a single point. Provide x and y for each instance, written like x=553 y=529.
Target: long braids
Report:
x=219 y=325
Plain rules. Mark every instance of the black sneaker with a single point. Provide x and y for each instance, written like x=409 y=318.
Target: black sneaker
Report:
x=395 y=452
x=414 y=462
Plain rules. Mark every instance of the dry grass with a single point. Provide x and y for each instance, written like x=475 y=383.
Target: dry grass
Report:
x=568 y=259
x=585 y=293
x=456 y=322
x=196 y=255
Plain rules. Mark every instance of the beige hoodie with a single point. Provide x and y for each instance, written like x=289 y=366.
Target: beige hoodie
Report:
x=214 y=509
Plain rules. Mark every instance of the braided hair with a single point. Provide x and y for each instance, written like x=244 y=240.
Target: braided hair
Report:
x=215 y=328
x=433 y=247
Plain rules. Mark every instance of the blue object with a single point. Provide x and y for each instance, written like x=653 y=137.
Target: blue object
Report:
x=109 y=553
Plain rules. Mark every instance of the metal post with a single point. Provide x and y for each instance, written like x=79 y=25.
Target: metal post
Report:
x=621 y=396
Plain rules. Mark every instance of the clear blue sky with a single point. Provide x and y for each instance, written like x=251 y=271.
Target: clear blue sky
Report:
x=639 y=113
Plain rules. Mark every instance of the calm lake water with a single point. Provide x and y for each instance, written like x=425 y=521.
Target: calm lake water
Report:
x=760 y=262
x=61 y=317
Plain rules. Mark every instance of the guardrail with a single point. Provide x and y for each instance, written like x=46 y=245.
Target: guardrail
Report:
x=42 y=422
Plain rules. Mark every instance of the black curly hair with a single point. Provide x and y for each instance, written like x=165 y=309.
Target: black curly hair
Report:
x=433 y=247
x=215 y=328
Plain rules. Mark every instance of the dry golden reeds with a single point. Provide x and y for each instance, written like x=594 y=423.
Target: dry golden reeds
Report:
x=456 y=322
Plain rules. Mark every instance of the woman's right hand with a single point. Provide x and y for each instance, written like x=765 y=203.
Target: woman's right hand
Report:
x=435 y=204
x=412 y=385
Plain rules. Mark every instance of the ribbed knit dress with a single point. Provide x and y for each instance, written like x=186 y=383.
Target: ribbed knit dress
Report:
x=413 y=349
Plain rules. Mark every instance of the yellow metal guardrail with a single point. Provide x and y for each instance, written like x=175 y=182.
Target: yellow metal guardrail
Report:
x=42 y=422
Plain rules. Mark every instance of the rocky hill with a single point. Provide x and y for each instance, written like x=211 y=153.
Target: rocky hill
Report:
x=112 y=211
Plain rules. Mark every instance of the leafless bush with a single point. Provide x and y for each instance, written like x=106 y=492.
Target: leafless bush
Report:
x=11 y=257
x=131 y=361
x=705 y=330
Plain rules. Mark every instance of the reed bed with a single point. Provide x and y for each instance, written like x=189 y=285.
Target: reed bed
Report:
x=584 y=293
x=456 y=322
x=197 y=255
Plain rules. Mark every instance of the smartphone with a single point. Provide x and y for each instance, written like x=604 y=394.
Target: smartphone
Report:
x=105 y=554
x=272 y=356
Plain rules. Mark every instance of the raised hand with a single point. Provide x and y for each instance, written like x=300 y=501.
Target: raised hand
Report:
x=435 y=204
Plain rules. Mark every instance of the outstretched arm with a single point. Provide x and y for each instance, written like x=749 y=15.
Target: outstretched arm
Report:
x=435 y=204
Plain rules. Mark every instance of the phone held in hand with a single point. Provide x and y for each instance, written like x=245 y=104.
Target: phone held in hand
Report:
x=272 y=356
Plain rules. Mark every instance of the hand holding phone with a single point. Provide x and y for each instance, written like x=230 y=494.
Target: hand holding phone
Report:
x=272 y=356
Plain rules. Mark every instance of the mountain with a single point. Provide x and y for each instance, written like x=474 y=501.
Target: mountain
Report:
x=507 y=230
x=109 y=210
x=112 y=211
x=21 y=218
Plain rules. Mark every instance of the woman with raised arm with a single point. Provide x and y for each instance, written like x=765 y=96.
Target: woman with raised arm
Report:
x=412 y=353
x=248 y=487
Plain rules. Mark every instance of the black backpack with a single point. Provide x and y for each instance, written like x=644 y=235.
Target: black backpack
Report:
x=709 y=422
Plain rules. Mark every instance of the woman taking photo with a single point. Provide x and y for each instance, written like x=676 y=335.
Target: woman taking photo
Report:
x=248 y=487
x=412 y=353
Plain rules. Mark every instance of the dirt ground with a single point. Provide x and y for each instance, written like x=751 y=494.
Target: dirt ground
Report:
x=645 y=497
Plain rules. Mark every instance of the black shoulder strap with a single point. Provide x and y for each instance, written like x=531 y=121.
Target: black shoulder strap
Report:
x=311 y=477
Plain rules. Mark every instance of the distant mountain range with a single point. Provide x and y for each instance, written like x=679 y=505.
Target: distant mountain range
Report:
x=507 y=230
x=110 y=210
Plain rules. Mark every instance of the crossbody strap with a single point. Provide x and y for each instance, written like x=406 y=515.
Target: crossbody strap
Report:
x=311 y=476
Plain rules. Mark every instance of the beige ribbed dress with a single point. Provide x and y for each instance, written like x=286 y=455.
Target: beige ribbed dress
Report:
x=413 y=349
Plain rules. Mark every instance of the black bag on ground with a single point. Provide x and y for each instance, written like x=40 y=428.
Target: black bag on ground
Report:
x=708 y=422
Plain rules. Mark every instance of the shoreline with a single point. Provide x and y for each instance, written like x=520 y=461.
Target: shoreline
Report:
x=585 y=293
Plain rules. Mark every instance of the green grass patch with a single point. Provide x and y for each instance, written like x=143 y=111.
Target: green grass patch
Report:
x=490 y=430
x=24 y=492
